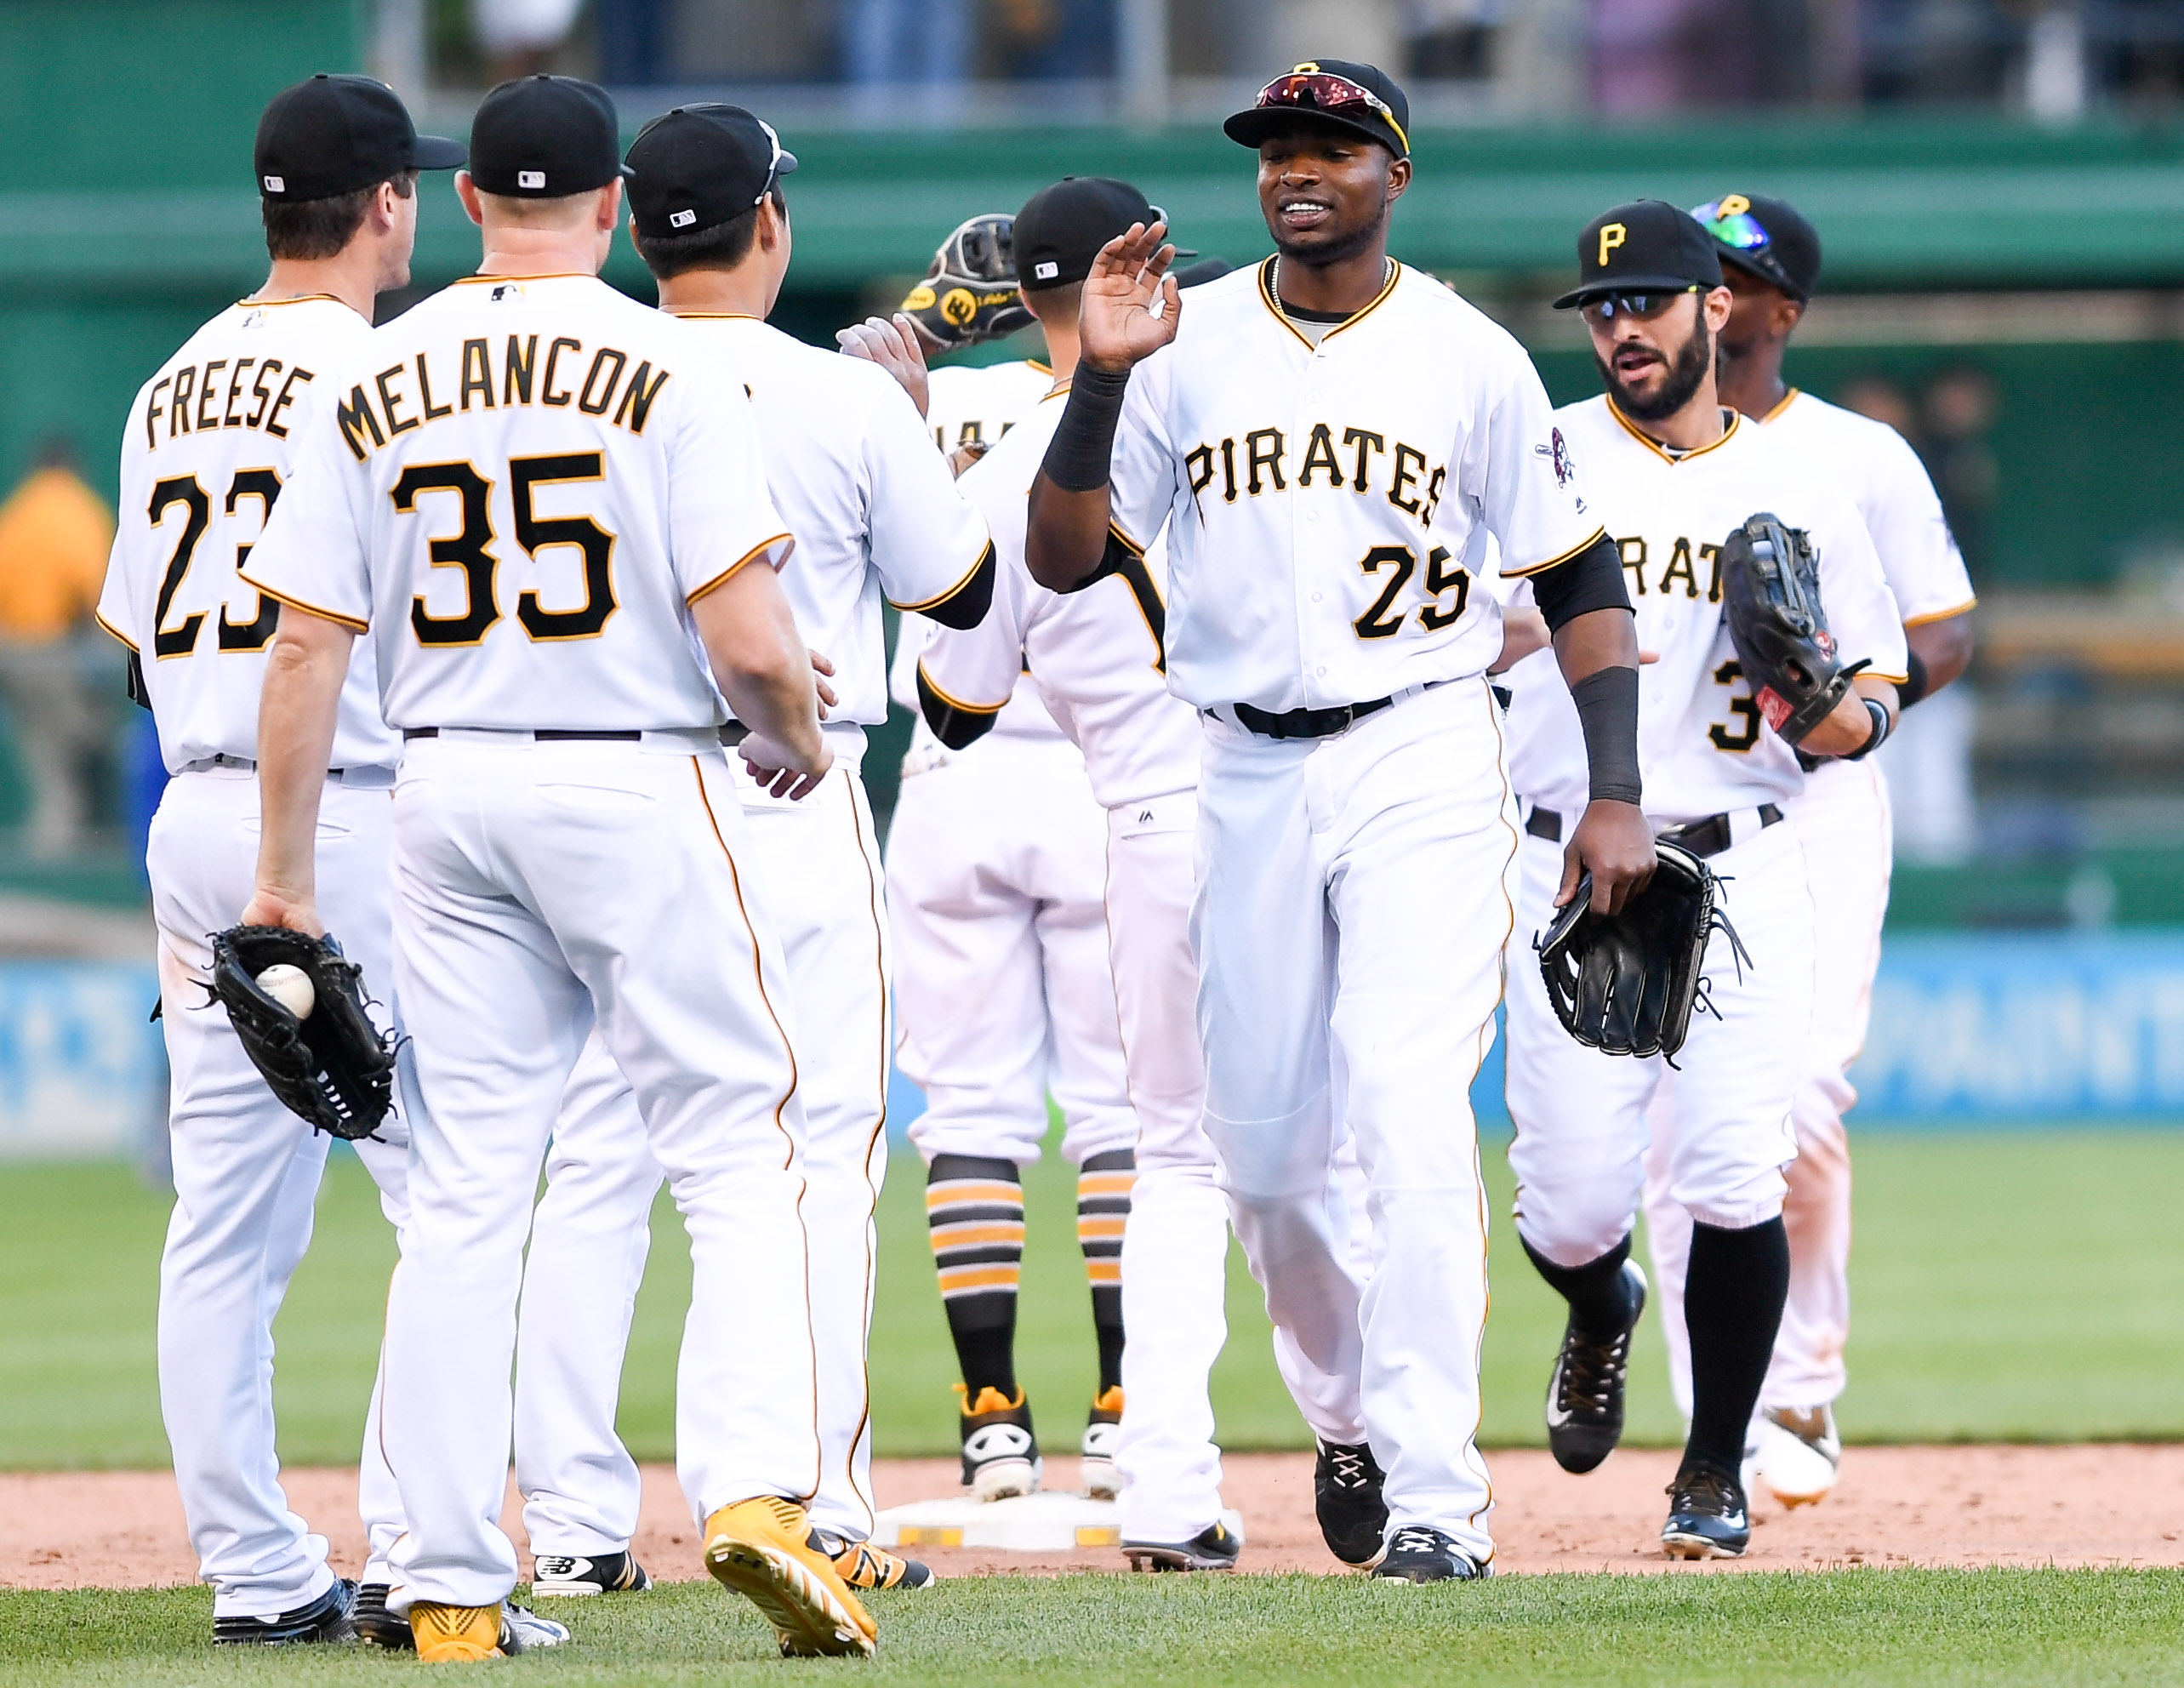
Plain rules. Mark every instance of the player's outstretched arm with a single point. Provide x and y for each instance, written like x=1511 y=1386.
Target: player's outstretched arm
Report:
x=1848 y=728
x=764 y=670
x=1597 y=652
x=1117 y=330
x=296 y=712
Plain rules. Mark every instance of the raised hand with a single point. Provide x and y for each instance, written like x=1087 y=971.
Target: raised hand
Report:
x=1131 y=303
x=893 y=345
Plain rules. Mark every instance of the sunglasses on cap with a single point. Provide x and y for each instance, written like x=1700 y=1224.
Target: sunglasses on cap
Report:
x=1323 y=91
x=773 y=164
x=1641 y=307
x=1731 y=222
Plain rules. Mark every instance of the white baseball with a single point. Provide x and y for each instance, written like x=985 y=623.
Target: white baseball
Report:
x=290 y=987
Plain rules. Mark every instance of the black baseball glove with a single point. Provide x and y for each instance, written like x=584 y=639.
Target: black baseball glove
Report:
x=1625 y=984
x=1771 y=598
x=333 y=1067
x=969 y=295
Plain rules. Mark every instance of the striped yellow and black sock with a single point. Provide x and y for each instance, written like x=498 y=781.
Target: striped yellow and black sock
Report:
x=974 y=1208
x=1102 y=1208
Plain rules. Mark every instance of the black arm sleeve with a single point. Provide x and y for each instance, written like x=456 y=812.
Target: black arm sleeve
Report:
x=1914 y=684
x=1607 y=710
x=1078 y=455
x=957 y=726
x=967 y=604
x=1591 y=580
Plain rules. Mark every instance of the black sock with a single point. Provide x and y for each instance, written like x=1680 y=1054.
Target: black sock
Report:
x=1733 y=1296
x=1600 y=1301
x=1103 y=1184
x=974 y=1208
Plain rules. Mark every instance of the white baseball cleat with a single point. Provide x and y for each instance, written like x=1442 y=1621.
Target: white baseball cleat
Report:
x=1795 y=1454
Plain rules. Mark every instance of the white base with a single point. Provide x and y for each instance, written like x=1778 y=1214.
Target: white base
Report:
x=1044 y=1523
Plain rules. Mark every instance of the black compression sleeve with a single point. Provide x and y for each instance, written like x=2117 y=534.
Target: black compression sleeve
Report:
x=1914 y=687
x=966 y=606
x=1078 y=455
x=1591 y=580
x=1607 y=709
x=955 y=726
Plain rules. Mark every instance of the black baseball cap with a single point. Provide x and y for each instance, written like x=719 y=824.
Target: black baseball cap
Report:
x=1765 y=237
x=335 y=135
x=1338 y=92
x=545 y=138
x=1061 y=228
x=698 y=166
x=1647 y=246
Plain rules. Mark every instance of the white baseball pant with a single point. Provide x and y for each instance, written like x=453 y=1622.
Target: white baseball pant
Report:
x=1843 y=818
x=995 y=887
x=817 y=870
x=1353 y=896
x=1582 y=1117
x=541 y=888
x=246 y=1174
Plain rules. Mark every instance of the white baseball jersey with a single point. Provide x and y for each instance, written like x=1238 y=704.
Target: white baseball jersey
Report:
x=518 y=487
x=873 y=507
x=1876 y=468
x=1097 y=655
x=964 y=404
x=1331 y=502
x=205 y=457
x=1702 y=746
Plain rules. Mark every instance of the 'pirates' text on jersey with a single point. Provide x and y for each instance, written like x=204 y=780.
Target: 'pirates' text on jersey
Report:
x=518 y=486
x=1332 y=504
x=1703 y=747
x=205 y=457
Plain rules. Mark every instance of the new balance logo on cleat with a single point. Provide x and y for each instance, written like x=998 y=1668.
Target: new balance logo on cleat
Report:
x=562 y=1576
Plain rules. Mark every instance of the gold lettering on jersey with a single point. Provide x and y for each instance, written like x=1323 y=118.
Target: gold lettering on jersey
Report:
x=1683 y=559
x=1434 y=485
x=196 y=400
x=516 y=384
x=1631 y=552
x=1712 y=554
x=1406 y=475
x=1680 y=569
x=637 y=398
x=1199 y=461
x=396 y=422
x=1367 y=443
x=1263 y=448
x=353 y=415
x=432 y=413
x=477 y=373
x=1229 y=471
x=546 y=393
x=585 y=401
x=1319 y=454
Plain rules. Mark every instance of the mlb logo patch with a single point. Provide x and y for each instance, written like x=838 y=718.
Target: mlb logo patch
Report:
x=681 y=220
x=1046 y=271
x=275 y=184
x=530 y=179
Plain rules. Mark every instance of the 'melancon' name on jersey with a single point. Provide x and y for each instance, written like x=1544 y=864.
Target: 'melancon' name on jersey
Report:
x=409 y=394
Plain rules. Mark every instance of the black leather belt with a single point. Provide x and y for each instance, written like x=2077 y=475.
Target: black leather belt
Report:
x=1307 y=723
x=1707 y=837
x=551 y=735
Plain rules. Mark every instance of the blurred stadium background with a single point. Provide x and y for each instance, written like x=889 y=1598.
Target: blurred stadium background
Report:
x=2000 y=184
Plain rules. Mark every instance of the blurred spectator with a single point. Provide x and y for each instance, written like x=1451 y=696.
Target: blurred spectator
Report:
x=518 y=36
x=1959 y=411
x=1452 y=40
x=1057 y=40
x=54 y=535
x=633 y=41
x=1880 y=398
x=922 y=43
x=1651 y=58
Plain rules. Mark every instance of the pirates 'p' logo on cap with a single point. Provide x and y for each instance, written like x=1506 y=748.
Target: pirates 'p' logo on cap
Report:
x=1612 y=235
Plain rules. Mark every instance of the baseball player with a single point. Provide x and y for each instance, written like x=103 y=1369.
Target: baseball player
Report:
x=1672 y=474
x=1336 y=437
x=1771 y=262
x=1003 y=994
x=875 y=512
x=544 y=503
x=208 y=454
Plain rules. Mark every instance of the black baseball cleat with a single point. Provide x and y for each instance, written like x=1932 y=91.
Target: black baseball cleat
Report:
x=1215 y=1547
x=1001 y=1451
x=1346 y=1494
x=1419 y=1553
x=1708 y=1517
x=327 y=1618
x=564 y=1575
x=1584 y=1395
x=377 y=1626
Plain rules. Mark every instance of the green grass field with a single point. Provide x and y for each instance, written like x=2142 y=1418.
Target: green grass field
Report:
x=1937 y=1627
x=2009 y=1287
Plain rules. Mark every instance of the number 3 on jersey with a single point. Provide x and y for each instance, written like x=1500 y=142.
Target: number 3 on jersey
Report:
x=469 y=549
x=181 y=639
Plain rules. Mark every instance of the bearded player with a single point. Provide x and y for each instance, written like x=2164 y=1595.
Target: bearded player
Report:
x=1771 y=263
x=1672 y=474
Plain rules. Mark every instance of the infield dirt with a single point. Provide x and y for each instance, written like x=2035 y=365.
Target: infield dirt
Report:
x=2094 y=1506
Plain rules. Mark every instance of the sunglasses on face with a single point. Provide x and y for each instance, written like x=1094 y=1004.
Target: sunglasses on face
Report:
x=1323 y=91
x=1642 y=307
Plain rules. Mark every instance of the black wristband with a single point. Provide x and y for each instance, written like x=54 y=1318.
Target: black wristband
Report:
x=1078 y=456
x=1607 y=709
x=1914 y=686
x=1879 y=714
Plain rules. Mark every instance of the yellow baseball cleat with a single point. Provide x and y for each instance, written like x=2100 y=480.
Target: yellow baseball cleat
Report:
x=758 y=1548
x=455 y=1635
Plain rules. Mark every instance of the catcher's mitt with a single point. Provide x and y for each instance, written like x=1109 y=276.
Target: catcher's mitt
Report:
x=1771 y=598
x=333 y=1067
x=969 y=295
x=1625 y=985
